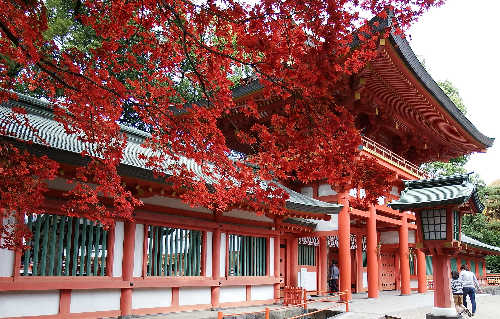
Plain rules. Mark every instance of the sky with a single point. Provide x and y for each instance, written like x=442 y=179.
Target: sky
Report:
x=460 y=42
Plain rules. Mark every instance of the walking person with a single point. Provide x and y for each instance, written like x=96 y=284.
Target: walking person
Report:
x=470 y=284
x=457 y=290
x=334 y=277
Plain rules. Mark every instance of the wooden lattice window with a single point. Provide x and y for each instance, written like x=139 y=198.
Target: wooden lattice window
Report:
x=173 y=251
x=434 y=224
x=307 y=255
x=247 y=255
x=64 y=246
x=456 y=225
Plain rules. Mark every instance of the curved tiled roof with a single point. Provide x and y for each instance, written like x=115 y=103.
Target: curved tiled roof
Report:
x=55 y=137
x=456 y=189
x=411 y=61
x=474 y=242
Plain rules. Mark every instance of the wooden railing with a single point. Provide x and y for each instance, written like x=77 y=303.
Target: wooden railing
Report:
x=493 y=279
x=376 y=149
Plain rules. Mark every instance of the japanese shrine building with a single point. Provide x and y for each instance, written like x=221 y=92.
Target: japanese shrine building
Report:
x=174 y=257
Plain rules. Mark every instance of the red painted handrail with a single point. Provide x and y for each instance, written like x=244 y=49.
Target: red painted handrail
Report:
x=386 y=153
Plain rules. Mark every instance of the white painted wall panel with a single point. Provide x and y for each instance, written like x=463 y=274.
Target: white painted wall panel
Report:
x=118 y=250
x=138 y=246
x=19 y=304
x=326 y=190
x=233 y=294
x=6 y=256
x=265 y=292
x=95 y=300
x=208 y=266
x=411 y=236
x=222 y=254
x=195 y=296
x=271 y=257
x=307 y=279
x=332 y=224
x=151 y=298
x=6 y=262
x=389 y=237
x=414 y=283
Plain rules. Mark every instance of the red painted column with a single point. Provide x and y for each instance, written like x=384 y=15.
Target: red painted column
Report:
x=215 y=267
x=404 y=263
x=484 y=268
x=372 y=253
x=476 y=271
x=277 y=268
x=127 y=269
x=359 y=262
x=459 y=263
x=421 y=272
x=323 y=265
x=294 y=261
x=344 y=234
x=441 y=277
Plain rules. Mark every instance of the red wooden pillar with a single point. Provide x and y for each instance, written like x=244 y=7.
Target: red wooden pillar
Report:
x=277 y=267
x=459 y=263
x=294 y=261
x=421 y=272
x=404 y=263
x=323 y=266
x=127 y=269
x=476 y=271
x=215 y=267
x=344 y=234
x=441 y=276
x=359 y=262
x=372 y=253
x=484 y=268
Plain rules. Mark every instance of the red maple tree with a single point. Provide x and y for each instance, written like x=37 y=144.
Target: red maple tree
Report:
x=171 y=64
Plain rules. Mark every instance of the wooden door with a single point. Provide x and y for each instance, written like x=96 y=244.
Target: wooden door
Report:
x=388 y=270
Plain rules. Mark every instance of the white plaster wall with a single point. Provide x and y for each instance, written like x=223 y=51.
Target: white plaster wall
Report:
x=326 y=190
x=365 y=279
x=308 y=191
x=138 y=247
x=395 y=191
x=222 y=256
x=332 y=224
x=118 y=250
x=208 y=264
x=19 y=304
x=95 y=300
x=271 y=257
x=389 y=237
x=6 y=256
x=194 y=296
x=414 y=283
x=233 y=294
x=265 y=292
x=307 y=279
x=6 y=262
x=411 y=236
x=151 y=298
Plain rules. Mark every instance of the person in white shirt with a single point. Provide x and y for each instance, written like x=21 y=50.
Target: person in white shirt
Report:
x=470 y=284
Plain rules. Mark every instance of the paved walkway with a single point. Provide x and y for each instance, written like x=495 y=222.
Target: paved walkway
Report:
x=414 y=306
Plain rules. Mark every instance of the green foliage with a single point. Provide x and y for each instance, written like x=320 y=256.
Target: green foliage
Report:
x=486 y=230
x=65 y=28
x=453 y=94
x=492 y=201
